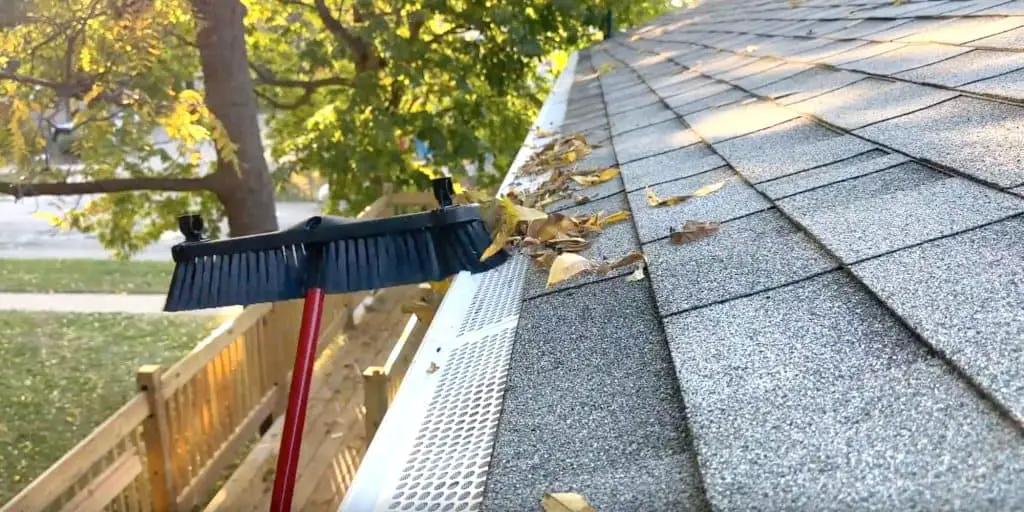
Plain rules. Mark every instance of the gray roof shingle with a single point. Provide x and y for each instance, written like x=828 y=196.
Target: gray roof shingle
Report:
x=853 y=336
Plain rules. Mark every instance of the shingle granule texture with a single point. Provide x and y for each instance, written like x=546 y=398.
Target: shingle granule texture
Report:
x=813 y=397
x=746 y=256
x=964 y=295
x=893 y=209
x=988 y=143
x=576 y=417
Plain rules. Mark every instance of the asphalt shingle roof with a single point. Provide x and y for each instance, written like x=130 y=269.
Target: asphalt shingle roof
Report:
x=853 y=337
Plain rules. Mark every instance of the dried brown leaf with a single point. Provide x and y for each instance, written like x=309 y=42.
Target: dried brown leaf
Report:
x=626 y=260
x=549 y=200
x=615 y=217
x=654 y=201
x=692 y=231
x=596 y=177
x=554 y=226
x=582 y=200
x=565 y=502
x=637 y=275
x=569 y=265
x=571 y=244
x=544 y=258
x=708 y=189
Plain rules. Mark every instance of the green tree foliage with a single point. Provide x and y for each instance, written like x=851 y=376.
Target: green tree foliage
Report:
x=354 y=81
x=346 y=85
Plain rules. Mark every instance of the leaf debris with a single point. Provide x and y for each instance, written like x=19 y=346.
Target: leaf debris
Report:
x=654 y=201
x=692 y=231
x=596 y=177
x=568 y=265
x=565 y=502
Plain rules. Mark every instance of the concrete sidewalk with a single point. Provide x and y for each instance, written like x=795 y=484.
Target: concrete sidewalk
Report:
x=91 y=303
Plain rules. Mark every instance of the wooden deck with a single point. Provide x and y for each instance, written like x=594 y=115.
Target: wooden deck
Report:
x=334 y=438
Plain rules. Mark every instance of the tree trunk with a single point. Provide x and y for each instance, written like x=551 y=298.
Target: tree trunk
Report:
x=246 y=193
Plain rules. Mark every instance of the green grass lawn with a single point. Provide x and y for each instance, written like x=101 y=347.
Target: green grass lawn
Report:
x=61 y=375
x=97 y=276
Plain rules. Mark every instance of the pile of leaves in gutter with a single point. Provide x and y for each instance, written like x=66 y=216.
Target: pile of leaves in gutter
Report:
x=518 y=223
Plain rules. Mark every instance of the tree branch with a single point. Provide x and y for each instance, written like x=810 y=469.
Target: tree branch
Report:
x=302 y=100
x=57 y=86
x=365 y=58
x=267 y=77
x=20 y=190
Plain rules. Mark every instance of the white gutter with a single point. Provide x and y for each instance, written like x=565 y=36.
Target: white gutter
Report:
x=433 y=448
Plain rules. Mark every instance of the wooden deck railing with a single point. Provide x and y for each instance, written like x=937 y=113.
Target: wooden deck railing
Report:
x=169 y=446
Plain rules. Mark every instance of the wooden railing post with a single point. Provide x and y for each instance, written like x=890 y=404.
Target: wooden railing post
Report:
x=156 y=437
x=375 y=399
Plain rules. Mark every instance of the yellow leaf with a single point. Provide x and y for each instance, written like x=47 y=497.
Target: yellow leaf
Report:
x=500 y=239
x=554 y=226
x=597 y=177
x=541 y=132
x=654 y=201
x=54 y=220
x=708 y=189
x=615 y=217
x=565 y=502
x=523 y=213
x=195 y=157
x=692 y=231
x=96 y=90
x=568 y=265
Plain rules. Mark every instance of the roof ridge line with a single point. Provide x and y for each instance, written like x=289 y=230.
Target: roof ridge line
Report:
x=983 y=393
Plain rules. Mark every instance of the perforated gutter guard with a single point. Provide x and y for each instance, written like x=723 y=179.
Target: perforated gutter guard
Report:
x=433 y=448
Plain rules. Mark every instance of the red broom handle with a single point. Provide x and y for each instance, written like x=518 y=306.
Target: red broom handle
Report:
x=298 y=396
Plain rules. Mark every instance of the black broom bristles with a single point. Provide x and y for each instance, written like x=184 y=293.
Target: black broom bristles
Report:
x=352 y=256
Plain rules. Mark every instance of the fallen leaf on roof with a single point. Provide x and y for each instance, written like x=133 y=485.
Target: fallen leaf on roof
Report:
x=433 y=367
x=692 y=231
x=557 y=154
x=497 y=244
x=565 y=502
x=588 y=223
x=615 y=217
x=544 y=258
x=582 y=200
x=568 y=265
x=605 y=68
x=637 y=275
x=541 y=132
x=596 y=177
x=551 y=227
x=571 y=244
x=550 y=199
x=654 y=201
x=707 y=190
